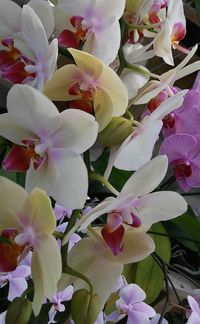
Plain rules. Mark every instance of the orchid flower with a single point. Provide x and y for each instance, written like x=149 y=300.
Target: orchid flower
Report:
x=135 y=207
x=57 y=300
x=166 y=81
x=91 y=23
x=129 y=156
x=51 y=144
x=195 y=315
x=184 y=157
x=32 y=221
x=131 y=303
x=17 y=281
x=92 y=257
x=91 y=85
x=26 y=57
x=173 y=30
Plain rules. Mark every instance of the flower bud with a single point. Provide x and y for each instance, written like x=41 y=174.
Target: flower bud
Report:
x=19 y=311
x=84 y=307
x=116 y=131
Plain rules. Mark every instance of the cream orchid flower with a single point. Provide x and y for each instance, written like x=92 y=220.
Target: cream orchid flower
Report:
x=31 y=220
x=48 y=144
x=93 y=23
x=91 y=85
x=135 y=205
x=137 y=148
x=92 y=257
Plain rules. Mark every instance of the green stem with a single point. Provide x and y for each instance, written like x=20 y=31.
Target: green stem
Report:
x=106 y=183
x=58 y=235
x=77 y=274
x=140 y=70
x=64 y=248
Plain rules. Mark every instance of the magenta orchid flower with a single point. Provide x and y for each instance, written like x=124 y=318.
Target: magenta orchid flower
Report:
x=17 y=281
x=48 y=144
x=26 y=56
x=91 y=23
x=183 y=154
x=131 y=304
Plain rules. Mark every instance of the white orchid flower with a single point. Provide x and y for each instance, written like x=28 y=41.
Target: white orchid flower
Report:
x=95 y=23
x=137 y=148
x=51 y=144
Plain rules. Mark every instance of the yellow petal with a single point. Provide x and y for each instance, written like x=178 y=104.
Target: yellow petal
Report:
x=89 y=64
x=103 y=107
x=63 y=78
x=46 y=270
x=42 y=213
x=12 y=200
x=111 y=83
x=136 y=247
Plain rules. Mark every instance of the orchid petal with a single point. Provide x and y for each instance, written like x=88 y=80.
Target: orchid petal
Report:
x=13 y=198
x=159 y=206
x=32 y=110
x=130 y=157
x=89 y=64
x=10 y=26
x=57 y=87
x=45 y=12
x=16 y=287
x=34 y=33
x=147 y=177
x=22 y=271
x=136 y=247
x=103 y=107
x=10 y=130
x=77 y=131
x=46 y=269
x=86 y=256
x=61 y=177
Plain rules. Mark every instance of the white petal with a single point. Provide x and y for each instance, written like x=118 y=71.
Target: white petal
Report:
x=32 y=110
x=130 y=156
x=10 y=130
x=160 y=206
x=64 y=178
x=112 y=7
x=133 y=81
x=77 y=131
x=10 y=19
x=45 y=13
x=146 y=178
x=168 y=106
x=34 y=33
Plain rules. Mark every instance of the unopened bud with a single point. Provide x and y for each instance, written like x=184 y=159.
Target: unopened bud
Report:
x=116 y=131
x=84 y=307
x=19 y=311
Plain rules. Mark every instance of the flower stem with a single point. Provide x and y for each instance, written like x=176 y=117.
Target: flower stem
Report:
x=77 y=274
x=106 y=183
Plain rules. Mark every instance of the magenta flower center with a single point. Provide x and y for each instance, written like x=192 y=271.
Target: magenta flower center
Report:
x=182 y=169
x=169 y=121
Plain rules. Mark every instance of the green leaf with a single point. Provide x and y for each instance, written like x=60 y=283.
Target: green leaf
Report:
x=186 y=225
x=197 y=6
x=147 y=273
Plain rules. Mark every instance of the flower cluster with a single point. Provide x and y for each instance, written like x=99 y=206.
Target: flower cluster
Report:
x=87 y=186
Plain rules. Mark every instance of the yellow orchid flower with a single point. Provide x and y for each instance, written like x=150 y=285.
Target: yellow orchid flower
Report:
x=91 y=86
x=31 y=221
